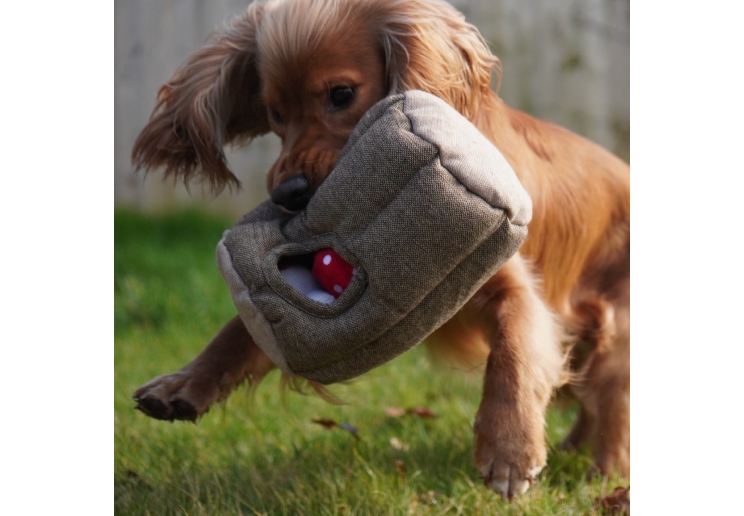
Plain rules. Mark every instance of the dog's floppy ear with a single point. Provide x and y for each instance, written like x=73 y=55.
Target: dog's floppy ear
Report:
x=429 y=46
x=211 y=100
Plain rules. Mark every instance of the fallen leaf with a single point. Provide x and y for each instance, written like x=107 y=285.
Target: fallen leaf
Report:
x=422 y=412
x=398 y=444
x=394 y=412
x=617 y=502
x=328 y=423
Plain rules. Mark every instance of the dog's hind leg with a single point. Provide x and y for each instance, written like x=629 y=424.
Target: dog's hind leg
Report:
x=230 y=358
x=604 y=392
x=608 y=396
x=600 y=319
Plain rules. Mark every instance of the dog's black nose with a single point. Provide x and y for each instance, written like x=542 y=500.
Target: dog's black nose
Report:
x=293 y=194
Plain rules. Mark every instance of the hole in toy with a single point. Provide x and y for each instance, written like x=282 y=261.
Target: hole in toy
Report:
x=322 y=276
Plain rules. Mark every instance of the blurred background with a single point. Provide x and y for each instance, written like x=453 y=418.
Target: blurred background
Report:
x=566 y=61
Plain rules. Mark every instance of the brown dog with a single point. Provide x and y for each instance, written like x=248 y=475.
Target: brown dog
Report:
x=308 y=70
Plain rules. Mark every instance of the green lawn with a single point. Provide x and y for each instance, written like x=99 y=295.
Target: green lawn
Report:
x=261 y=453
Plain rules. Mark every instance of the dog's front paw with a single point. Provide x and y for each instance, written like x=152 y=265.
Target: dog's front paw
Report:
x=508 y=456
x=180 y=396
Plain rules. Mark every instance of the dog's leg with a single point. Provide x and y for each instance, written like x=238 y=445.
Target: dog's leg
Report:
x=229 y=359
x=604 y=392
x=524 y=366
x=602 y=360
x=608 y=397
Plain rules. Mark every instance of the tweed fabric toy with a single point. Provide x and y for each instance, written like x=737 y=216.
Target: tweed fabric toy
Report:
x=421 y=206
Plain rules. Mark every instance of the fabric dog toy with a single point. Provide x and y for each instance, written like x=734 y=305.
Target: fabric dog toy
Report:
x=420 y=210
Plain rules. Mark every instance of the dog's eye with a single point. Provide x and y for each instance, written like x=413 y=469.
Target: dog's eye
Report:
x=341 y=97
x=276 y=116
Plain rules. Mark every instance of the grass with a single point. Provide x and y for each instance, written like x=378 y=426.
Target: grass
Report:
x=260 y=453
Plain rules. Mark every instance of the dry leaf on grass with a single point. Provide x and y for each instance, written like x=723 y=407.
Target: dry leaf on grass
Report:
x=394 y=412
x=401 y=467
x=617 y=502
x=330 y=424
x=422 y=412
x=398 y=444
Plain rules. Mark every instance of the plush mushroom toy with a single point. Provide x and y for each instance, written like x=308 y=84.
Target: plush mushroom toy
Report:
x=325 y=281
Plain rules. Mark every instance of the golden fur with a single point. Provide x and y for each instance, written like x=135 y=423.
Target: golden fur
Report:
x=275 y=68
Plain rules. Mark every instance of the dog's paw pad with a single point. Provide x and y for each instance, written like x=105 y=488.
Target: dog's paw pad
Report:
x=154 y=408
x=171 y=397
x=184 y=411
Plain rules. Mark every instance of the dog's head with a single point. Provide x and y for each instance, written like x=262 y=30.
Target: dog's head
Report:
x=308 y=70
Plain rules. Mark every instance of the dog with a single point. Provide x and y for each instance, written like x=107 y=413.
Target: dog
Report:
x=308 y=70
